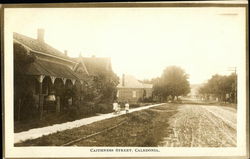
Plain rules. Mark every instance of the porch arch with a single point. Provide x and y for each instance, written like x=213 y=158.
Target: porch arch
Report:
x=59 y=87
x=46 y=85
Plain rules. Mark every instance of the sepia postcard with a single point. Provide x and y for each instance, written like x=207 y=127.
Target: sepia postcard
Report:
x=162 y=79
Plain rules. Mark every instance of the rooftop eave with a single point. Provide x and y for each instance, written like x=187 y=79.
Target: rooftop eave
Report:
x=42 y=53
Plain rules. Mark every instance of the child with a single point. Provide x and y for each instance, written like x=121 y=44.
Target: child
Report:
x=115 y=107
x=127 y=107
x=118 y=108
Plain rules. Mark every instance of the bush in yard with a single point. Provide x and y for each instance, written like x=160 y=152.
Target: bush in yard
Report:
x=140 y=100
x=73 y=113
x=134 y=105
x=148 y=99
x=104 y=107
x=87 y=108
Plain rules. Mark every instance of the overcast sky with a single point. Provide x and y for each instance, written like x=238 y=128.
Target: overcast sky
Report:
x=143 y=41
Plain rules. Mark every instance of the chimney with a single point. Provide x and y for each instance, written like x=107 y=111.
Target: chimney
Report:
x=40 y=35
x=123 y=79
x=65 y=52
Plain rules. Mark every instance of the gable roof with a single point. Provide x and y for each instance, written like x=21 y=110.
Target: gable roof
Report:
x=95 y=65
x=90 y=65
x=37 y=46
x=132 y=82
x=79 y=65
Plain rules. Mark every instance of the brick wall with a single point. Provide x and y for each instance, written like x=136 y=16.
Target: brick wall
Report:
x=132 y=94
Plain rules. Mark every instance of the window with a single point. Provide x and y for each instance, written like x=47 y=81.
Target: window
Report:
x=134 y=94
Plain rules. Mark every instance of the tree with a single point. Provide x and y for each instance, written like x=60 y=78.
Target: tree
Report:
x=221 y=87
x=104 y=87
x=173 y=82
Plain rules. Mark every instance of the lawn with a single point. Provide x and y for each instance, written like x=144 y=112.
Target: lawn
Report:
x=142 y=128
x=53 y=118
x=47 y=120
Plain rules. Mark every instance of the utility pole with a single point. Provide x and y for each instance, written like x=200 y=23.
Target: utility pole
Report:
x=235 y=86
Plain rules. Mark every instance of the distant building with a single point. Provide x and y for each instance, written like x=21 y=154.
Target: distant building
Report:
x=132 y=90
x=194 y=90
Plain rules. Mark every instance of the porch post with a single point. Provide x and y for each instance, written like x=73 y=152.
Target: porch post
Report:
x=73 y=99
x=63 y=103
x=57 y=102
x=40 y=80
x=81 y=90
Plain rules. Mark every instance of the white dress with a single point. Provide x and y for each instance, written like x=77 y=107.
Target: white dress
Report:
x=126 y=106
x=115 y=106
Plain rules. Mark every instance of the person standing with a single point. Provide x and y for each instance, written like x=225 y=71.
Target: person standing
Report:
x=115 y=107
x=119 y=108
x=126 y=107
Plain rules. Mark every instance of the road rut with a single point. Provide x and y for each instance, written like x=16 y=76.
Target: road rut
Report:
x=202 y=126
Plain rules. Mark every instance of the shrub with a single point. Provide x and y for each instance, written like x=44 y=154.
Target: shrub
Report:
x=73 y=113
x=134 y=105
x=104 y=108
x=87 y=108
x=147 y=100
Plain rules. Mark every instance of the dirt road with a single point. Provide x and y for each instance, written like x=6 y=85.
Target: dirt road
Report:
x=202 y=126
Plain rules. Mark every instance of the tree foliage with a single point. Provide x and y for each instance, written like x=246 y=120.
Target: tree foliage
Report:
x=222 y=87
x=102 y=87
x=173 y=82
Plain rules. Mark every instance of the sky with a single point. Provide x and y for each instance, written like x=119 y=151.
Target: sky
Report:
x=142 y=41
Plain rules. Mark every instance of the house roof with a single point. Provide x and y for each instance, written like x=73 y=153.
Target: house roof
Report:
x=38 y=46
x=90 y=65
x=95 y=65
x=132 y=82
x=41 y=67
x=81 y=66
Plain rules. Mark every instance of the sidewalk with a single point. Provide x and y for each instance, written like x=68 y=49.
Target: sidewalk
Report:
x=39 y=132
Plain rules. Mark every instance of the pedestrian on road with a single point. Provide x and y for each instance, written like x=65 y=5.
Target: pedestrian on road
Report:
x=118 y=108
x=126 y=107
x=115 y=107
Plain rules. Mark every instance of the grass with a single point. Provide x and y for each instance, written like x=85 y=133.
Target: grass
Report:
x=63 y=137
x=143 y=128
x=47 y=120
x=53 y=118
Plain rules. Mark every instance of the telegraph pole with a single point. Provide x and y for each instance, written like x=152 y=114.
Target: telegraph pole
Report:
x=235 y=87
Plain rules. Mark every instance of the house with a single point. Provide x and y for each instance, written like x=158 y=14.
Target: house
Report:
x=132 y=90
x=44 y=75
x=101 y=79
